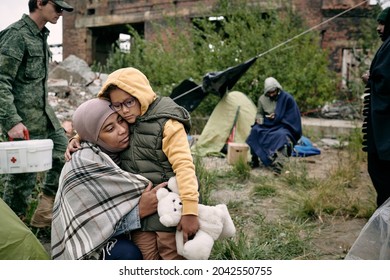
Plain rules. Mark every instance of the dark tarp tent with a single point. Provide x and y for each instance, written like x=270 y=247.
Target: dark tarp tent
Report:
x=189 y=95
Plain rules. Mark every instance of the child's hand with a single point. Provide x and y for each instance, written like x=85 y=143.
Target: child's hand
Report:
x=189 y=224
x=73 y=146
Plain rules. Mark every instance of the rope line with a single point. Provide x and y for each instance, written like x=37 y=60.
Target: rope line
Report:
x=289 y=40
x=312 y=28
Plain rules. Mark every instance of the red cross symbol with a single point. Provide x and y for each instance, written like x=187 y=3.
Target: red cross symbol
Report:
x=13 y=159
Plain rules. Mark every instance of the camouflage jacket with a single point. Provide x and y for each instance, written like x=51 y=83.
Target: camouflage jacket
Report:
x=24 y=58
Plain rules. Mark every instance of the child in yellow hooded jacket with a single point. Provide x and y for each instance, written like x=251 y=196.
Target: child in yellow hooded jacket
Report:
x=158 y=150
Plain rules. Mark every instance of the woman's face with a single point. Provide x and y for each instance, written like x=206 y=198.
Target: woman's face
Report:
x=115 y=132
x=125 y=105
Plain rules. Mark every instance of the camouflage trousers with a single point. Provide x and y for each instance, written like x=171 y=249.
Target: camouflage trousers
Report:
x=19 y=187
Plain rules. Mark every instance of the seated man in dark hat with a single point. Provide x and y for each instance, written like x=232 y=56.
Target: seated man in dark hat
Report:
x=277 y=129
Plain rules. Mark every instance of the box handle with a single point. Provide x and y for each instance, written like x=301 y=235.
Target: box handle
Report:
x=26 y=135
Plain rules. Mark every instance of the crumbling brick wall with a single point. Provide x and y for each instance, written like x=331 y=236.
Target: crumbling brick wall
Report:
x=79 y=27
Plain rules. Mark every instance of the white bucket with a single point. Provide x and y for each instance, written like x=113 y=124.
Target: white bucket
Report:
x=25 y=156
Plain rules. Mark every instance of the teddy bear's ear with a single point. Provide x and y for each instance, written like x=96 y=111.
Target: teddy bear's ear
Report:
x=161 y=193
x=172 y=184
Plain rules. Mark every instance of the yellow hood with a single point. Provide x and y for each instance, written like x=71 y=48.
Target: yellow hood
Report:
x=135 y=83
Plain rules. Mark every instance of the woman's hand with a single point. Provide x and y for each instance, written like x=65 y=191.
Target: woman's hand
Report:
x=73 y=146
x=148 y=202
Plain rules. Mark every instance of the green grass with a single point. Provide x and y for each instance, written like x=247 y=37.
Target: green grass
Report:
x=276 y=217
x=305 y=204
x=268 y=241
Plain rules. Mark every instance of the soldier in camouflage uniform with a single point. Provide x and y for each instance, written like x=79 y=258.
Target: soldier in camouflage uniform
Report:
x=24 y=62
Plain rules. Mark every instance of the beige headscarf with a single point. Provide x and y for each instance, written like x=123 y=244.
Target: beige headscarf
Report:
x=88 y=120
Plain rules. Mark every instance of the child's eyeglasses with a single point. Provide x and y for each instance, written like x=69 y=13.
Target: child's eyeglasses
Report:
x=117 y=106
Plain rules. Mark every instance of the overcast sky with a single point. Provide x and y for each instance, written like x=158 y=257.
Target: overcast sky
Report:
x=11 y=11
x=385 y=3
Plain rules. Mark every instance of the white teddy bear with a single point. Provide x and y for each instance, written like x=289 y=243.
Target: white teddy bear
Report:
x=214 y=223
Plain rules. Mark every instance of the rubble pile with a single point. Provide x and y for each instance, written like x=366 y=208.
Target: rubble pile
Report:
x=70 y=83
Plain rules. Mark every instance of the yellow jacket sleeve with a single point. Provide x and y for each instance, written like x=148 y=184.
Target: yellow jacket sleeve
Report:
x=176 y=147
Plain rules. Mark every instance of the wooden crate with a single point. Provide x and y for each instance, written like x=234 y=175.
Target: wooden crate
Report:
x=237 y=151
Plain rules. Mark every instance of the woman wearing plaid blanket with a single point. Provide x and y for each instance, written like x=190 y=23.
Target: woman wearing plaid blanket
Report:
x=98 y=203
x=158 y=150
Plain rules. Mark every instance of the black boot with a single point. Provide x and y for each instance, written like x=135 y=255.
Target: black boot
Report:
x=276 y=166
x=255 y=162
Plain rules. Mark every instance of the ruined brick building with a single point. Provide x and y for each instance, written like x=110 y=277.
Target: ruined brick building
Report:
x=95 y=25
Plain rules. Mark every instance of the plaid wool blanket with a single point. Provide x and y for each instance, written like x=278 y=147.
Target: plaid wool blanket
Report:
x=93 y=196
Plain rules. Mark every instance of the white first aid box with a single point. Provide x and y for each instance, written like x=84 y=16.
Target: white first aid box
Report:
x=25 y=156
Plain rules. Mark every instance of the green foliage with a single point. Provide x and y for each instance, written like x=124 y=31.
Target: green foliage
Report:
x=188 y=50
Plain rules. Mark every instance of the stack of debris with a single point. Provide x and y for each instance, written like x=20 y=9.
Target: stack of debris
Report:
x=70 y=83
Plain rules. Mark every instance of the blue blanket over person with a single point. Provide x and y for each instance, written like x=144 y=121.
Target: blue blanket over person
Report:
x=285 y=129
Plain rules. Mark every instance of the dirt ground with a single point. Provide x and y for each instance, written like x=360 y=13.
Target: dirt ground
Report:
x=334 y=236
